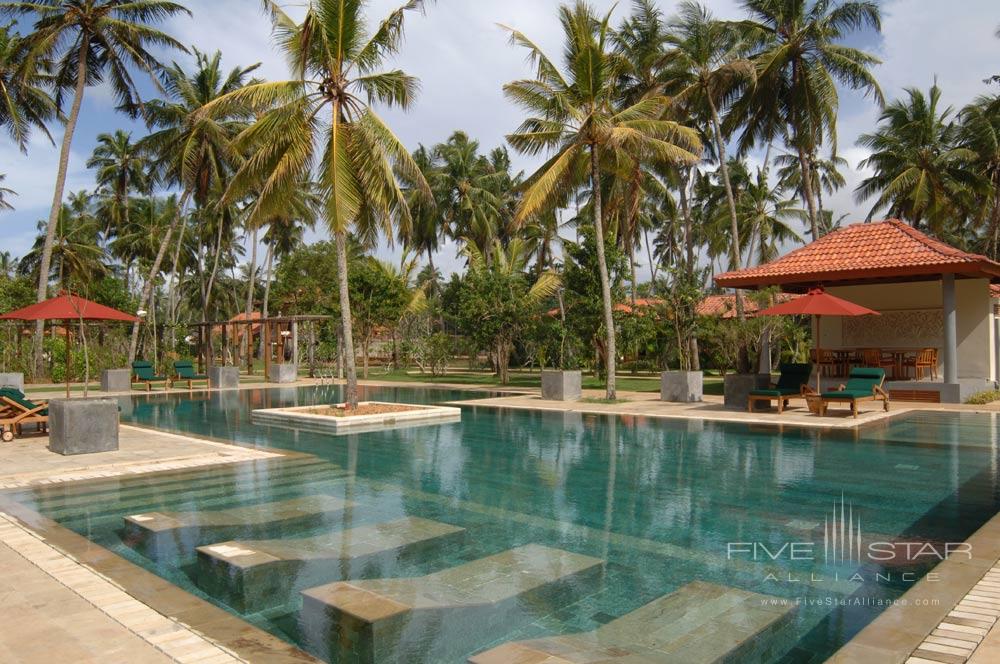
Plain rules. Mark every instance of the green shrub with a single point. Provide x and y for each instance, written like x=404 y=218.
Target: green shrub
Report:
x=983 y=398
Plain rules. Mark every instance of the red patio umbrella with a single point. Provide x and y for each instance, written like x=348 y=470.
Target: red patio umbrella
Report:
x=68 y=307
x=817 y=302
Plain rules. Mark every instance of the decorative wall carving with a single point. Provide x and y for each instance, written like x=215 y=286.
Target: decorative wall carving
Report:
x=907 y=328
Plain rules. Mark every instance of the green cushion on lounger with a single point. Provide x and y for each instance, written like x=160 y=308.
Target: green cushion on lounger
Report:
x=185 y=370
x=144 y=371
x=776 y=393
x=17 y=396
x=793 y=376
x=847 y=394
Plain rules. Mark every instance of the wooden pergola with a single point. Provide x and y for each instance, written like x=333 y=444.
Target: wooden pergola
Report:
x=275 y=332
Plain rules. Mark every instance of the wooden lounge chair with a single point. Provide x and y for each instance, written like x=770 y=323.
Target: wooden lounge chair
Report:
x=864 y=384
x=184 y=373
x=792 y=383
x=143 y=374
x=17 y=410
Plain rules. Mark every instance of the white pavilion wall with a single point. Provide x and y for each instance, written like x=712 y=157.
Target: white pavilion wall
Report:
x=912 y=318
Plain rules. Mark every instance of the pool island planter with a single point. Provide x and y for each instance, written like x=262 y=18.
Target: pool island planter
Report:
x=308 y=417
x=116 y=380
x=682 y=386
x=558 y=385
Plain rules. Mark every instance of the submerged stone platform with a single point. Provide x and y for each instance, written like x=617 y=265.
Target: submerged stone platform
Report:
x=253 y=575
x=441 y=616
x=160 y=535
x=701 y=623
x=311 y=418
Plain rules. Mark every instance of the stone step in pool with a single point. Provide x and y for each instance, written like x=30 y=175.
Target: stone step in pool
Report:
x=168 y=535
x=253 y=575
x=440 y=616
x=701 y=623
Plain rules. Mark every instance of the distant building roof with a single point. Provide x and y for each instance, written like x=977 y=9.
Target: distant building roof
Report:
x=864 y=253
x=725 y=305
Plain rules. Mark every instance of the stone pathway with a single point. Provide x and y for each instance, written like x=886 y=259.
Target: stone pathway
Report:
x=82 y=612
x=959 y=635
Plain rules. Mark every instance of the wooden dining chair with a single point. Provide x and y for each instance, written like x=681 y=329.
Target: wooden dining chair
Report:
x=827 y=362
x=874 y=358
x=923 y=362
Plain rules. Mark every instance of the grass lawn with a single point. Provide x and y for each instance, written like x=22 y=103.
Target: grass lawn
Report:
x=626 y=382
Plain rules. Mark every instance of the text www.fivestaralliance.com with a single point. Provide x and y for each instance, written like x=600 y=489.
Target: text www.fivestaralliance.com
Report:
x=847 y=601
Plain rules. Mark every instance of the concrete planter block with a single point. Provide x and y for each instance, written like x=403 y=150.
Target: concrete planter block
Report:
x=116 y=380
x=562 y=385
x=83 y=426
x=681 y=386
x=15 y=380
x=283 y=373
x=224 y=378
x=737 y=388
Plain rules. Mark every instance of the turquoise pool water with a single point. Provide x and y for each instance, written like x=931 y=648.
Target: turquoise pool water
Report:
x=662 y=502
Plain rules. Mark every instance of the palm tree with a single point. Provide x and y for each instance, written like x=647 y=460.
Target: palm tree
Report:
x=325 y=115
x=8 y=264
x=427 y=227
x=981 y=133
x=24 y=103
x=78 y=257
x=826 y=176
x=469 y=199
x=193 y=148
x=296 y=212
x=704 y=58
x=800 y=59
x=574 y=114
x=921 y=173
x=121 y=166
x=4 y=193
x=764 y=213
x=108 y=38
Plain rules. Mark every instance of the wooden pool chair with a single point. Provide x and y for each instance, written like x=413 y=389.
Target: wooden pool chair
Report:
x=17 y=410
x=793 y=383
x=143 y=374
x=864 y=384
x=184 y=373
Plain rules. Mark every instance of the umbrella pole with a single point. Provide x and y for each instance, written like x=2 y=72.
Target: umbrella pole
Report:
x=66 y=326
x=819 y=363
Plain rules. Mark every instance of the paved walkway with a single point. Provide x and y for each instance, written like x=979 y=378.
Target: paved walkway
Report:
x=44 y=621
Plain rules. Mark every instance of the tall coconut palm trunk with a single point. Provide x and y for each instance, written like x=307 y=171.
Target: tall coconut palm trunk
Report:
x=807 y=192
x=734 y=226
x=147 y=291
x=351 y=390
x=252 y=282
x=57 y=197
x=611 y=393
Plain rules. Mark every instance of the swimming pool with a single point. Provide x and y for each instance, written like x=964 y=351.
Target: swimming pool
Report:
x=646 y=507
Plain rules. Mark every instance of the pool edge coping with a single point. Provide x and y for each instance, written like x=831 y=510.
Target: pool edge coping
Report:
x=899 y=630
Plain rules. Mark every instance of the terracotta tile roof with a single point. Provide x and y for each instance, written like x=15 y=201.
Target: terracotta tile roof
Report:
x=864 y=252
x=725 y=305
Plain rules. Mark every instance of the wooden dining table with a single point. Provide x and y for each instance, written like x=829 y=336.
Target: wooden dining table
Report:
x=846 y=356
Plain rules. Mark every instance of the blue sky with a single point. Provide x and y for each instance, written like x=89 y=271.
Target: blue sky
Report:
x=462 y=58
